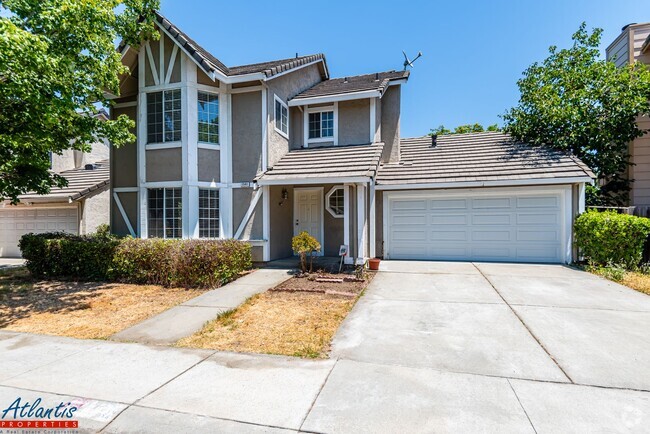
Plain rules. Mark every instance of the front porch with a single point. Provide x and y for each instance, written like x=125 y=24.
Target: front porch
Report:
x=328 y=192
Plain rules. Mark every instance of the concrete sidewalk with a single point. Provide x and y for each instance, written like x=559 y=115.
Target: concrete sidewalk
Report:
x=189 y=317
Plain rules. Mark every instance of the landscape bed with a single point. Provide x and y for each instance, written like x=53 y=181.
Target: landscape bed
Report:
x=84 y=310
x=297 y=318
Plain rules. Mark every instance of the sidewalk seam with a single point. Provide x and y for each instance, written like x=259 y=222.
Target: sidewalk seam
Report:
x=521 y=405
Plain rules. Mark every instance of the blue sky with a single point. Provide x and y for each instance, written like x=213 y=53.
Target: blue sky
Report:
x=474 y=52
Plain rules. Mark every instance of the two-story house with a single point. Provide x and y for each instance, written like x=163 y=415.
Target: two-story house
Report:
x=78 y=208
x=633 y=45
x=263 y=151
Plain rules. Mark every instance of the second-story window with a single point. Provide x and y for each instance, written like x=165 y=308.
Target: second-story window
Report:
x=164 y=116
x=321 y=124
x=208 y=117
x=281 y=117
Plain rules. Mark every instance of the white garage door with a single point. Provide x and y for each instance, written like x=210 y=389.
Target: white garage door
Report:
x=14 y=223
x=483 y=225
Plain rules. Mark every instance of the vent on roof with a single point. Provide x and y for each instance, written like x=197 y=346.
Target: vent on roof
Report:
x=376 y=76
x=90 y=167
x=434 y=140
x=345 y=80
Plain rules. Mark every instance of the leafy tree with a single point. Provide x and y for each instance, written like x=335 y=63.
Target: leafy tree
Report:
x=57 y=64
x=577 y=102
x=463 y=129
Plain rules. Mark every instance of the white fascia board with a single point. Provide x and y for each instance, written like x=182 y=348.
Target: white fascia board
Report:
x=396 y=82
x=524 y=182
x=313 y=181
x=335 y=98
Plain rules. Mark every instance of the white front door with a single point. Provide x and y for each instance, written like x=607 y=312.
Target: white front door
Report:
x=308 y=212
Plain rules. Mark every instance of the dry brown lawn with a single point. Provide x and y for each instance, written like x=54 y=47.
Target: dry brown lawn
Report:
x=297 y=318
x=79 y=309
x=638 y=281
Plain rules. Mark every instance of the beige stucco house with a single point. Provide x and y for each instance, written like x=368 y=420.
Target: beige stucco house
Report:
x=263 y=151
x=78 y=208
x=633 y=45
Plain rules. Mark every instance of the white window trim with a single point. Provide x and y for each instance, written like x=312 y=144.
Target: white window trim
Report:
x=329 y=108
x=327 y=201
x=211 y=145
x=164 y=208
x=279 y=131
x=162 y=89
x=198 y=208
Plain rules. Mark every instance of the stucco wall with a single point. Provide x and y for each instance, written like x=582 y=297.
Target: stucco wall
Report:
x=246 y=135
x=124 y=160
x=94 y=211
x=209 y=165
x=130 y=204
x=242 y=198
x=390 y=123
x=281 y=222
x=286 y=87
x=354 y=122
x=164 y=165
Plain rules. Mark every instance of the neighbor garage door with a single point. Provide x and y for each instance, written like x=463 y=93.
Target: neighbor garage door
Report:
x=519 y=225
x=16 y=222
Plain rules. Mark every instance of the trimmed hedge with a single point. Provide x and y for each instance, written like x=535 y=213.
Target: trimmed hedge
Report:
x=195 y=263
x=187 y=263
x=58 y=254
x=606 y=238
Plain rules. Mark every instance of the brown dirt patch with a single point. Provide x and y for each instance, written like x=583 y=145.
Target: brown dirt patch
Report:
x=297 y=318
x=80 y=309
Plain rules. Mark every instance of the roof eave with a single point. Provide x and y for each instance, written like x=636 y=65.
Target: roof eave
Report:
x=343 y=96
x=496 y=183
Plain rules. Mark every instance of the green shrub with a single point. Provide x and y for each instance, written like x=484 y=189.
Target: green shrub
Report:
x=101 y=256
x=188 y=263
x=605 y=238
x=57 y=254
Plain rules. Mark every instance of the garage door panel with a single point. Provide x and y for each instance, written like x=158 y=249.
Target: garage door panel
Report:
x=491 y=202
x=449 y=219
x=538 y=235
x=409 y=219
x=538 y=202
x=438 y=235
x=448 y=203
x=538 y=218
x=491 y=219
x=492 y=235
x=519 y=226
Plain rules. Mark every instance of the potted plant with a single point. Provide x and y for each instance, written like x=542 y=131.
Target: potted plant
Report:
x=373 y=263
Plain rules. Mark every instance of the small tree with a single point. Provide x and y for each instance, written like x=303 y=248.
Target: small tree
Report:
x=302 y=244
x=579 y=103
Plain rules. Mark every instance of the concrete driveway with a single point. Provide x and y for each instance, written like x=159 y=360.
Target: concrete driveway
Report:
x=431 y=347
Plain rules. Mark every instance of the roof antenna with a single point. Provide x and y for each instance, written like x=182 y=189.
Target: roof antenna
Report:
x=408 y=62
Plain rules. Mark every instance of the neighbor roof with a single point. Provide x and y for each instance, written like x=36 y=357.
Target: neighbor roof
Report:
x=476 y=158
x=81 y=183
x=378 y=81
x=211 y=64
x=301 y=166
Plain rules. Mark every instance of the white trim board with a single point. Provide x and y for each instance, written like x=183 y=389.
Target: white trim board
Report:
x=312 y=181
x=507 y=183
x=335 y=98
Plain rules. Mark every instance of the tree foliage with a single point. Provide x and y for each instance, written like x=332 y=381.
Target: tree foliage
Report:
x=57 y=63
x=577 y=102
x=463 y=129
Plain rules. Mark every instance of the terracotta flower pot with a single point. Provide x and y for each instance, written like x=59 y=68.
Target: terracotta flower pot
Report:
x=373 y=264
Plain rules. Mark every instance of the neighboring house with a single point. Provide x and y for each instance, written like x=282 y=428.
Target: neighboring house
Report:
x=78 y=208
x=261 y=152
x=633 y=44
